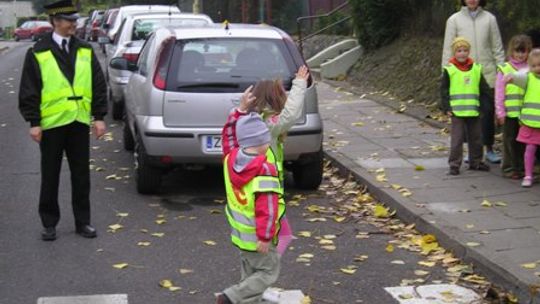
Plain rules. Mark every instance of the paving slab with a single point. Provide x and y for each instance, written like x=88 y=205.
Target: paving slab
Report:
x=93 y=299
x=448 y=206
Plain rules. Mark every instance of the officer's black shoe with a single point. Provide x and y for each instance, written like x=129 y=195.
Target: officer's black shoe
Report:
x=86 y=231
x=48 y=234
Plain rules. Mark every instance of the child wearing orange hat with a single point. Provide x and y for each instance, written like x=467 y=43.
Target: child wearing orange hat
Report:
x=463 y=90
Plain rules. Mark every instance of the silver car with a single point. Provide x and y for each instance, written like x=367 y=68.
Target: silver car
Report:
x=129 y=40
x=186 y=82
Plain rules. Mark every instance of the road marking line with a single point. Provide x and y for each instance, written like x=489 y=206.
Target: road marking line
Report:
x=92 y=299
x=433 y=294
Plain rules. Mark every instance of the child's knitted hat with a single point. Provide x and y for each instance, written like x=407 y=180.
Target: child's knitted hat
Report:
x=251 y=131
x=460 y=42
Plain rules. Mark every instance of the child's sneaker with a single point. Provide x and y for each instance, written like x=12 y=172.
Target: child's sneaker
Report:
x=493 y=157
x=527 y=182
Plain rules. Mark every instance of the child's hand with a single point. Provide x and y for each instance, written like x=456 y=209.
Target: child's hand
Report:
x=500 y=121
x=449 y=113
x=508 y=78
x=247 y=100
x=262 y=247
x=303 y=73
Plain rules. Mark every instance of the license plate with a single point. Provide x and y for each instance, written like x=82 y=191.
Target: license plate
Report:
x=211 y=143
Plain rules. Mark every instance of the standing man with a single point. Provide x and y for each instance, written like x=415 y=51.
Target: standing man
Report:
x=62 y=87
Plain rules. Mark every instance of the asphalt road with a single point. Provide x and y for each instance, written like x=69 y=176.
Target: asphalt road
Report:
x=190 y=202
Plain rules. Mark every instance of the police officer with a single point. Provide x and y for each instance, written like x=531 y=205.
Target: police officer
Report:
x=62 y=88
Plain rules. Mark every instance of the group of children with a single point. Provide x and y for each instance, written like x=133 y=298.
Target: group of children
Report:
x=464 y=93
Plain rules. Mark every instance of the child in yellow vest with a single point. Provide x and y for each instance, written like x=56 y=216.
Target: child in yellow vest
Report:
x=463 y=89
x=529 y=117
x=253 y=210
x=508 y=101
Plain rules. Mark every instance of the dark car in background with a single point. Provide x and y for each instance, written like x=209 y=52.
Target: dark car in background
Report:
x=32 y=30
x=109 y=17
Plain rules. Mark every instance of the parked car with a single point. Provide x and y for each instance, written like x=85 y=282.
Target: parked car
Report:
x=32 y=30
x=128 y=43
x=80 y=31
x=185 y=83
x=134 y=9
x=108 y=19
x=93 y=26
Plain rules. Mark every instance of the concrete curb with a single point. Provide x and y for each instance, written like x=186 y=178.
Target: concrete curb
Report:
x=448 y=236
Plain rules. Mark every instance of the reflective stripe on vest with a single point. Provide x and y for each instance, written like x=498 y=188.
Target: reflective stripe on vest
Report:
x=62 y=103
x=513 y=98
x=465 y=90
x=530 y=113
x=240 y=209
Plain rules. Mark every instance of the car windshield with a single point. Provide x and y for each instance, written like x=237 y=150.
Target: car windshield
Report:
x=143 y=27
x=229 y=65
x=42 y=23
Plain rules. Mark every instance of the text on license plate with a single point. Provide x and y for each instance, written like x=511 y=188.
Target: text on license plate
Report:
x=212 y=143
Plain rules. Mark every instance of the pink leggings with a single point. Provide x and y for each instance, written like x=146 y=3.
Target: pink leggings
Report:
x=530 y=155
x=285 y=236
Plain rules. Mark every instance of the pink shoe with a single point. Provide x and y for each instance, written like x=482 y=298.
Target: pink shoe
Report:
x=527 y=182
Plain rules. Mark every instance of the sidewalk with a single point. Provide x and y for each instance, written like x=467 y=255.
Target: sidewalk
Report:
x=6 y=44
x=486 y=220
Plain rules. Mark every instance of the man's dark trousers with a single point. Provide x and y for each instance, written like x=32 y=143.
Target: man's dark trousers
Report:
x=74 y=140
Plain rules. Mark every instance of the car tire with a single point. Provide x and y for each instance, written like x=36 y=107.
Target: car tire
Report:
x=147 y=177
x=308 y=175
x=129 y=142
x=16 y=38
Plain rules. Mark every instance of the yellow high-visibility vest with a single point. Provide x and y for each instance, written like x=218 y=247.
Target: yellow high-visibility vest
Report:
x=513 y=96
x=240 y=208
x=61 y=102
x=465 y=90
x=530 y=112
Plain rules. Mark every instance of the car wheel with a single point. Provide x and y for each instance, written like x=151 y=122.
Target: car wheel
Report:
x=16 y=38
x=308 y=175
x=117 y=110
x=148 y=178
x=129 y=142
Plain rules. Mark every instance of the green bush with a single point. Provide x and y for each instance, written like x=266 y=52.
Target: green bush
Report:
x=343 y=28
x=377 y=22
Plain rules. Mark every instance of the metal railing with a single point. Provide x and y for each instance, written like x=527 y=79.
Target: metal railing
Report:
x=299 y=21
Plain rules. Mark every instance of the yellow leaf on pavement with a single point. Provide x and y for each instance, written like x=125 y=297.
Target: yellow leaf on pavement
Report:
x=473 y=244
x=397 y=262
x=306 y=300
x=143 y=244
x=210 y=243
x=421 y=272
x=360 y=258
x=406 y=296
x=486 y=203
x=115 y=227
x=120 y=266
x=426 y=263
x=306 y=256
x=316 y=219
x=339 y=219
x=348 y=270
x=158 y=234
x=329 y=236
x=122 y=214
x=329 y=247
x=358 y=124
x=215 y=211
x=380 y=211
x=165 y=283
x=174 y=288
x=419 y=168
x=185 y=271
x=304 y=234
x=529 y=265
x=326 y=242
x=161 y=221
x=390 y=248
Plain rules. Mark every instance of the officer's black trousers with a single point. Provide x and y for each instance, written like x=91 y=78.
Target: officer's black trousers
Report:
x=73 y=139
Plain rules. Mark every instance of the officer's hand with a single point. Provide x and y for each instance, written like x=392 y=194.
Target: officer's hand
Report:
x=262 y=247
x=35 y=133
x=99 y=128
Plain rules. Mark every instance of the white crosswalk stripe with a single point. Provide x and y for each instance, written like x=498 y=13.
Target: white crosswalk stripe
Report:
x=92 y=299
x=433 y=294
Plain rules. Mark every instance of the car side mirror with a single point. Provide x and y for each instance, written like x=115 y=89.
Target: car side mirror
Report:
x=120 y=63
x=104 y=40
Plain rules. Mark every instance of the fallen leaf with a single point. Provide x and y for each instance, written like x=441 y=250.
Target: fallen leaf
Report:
x=143 y=244
x=185 y=271
x=306 y=300
x=529 y=265
x=473 y=244
x=158 y=234
x=426 y=263
x=122 y=214
x=210 y=243
x=215 y=211
x=329 y=247
x=358 y=124
x=360 y=258
x=306 y=256
x=329 y=236
x=316 y=219
x=339 y=219
x=111 y=189
x=397 y=262
x=304 y=234
x=326 y=242
x=406 y=296
x=175 y=288
x=348 y=270
x=486 y=203
x=419 y=168
x=390 y=248
x=421 y=273
x=120 y=266
x=161 y=221
x=512 y=298
x=165 y=283
x=115 y=227
x=380 y=211
x=501 y=204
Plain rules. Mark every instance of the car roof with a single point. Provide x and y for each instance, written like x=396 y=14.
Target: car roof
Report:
x=173 y=14
x=235 y=30
x=148 y=8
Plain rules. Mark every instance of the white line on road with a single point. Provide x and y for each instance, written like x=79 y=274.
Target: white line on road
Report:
x=93 y=299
